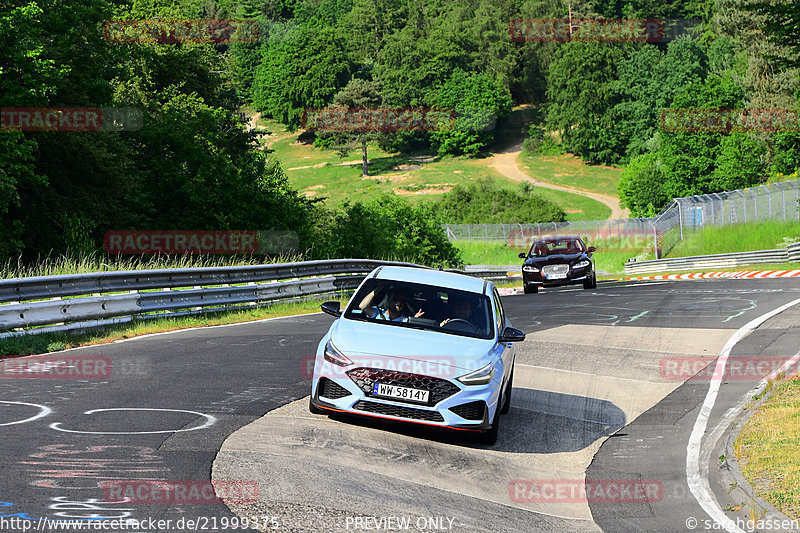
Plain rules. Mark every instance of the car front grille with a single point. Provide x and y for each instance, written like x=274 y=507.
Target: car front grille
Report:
x=439 y=388
x=549 y=270
x=471 y=410
x=399 y=411
x=332 y=390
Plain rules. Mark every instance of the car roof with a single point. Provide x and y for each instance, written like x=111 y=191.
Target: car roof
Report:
x=427 y=276
x=561 y=238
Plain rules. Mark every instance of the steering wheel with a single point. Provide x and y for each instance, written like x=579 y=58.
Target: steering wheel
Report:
x=462 y=321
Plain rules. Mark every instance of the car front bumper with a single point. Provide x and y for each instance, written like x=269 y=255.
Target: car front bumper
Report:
x=477 y=402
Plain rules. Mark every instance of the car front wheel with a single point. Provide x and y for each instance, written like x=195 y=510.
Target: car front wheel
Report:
x=490 y=437
x=529 y=290
x=314 y=409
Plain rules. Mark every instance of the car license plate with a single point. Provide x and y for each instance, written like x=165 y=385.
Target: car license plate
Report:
x=557 y=275
x=400 y=393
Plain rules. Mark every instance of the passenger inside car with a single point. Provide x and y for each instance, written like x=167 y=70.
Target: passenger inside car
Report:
x=395 y=307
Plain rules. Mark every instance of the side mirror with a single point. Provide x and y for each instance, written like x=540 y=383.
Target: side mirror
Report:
x=512 y=335
x=523 y=255
x=332 y=308
x=591 y=249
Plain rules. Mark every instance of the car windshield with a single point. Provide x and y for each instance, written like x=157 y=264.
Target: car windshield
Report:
x=419 y=306
x=557 y=246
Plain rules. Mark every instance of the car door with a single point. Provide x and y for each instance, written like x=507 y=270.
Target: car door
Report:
x=501 y=322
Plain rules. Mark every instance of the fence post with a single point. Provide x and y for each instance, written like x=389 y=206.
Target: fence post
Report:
x=469 y=234
x=680 y=218
x=755 y=206
x=505 y=239
x=744 y=206
x=769 y=201
x=486 y=233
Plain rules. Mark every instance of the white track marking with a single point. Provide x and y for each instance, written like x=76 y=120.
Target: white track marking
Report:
x=696 y=468
x=210 y=421
x=43 y=411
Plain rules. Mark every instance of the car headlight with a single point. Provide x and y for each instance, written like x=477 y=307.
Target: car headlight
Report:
x=530 y=269
x=332 y=355
x=581 y=264
x=479 y=377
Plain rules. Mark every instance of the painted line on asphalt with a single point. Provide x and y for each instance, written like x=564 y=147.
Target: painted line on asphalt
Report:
x=696 y=469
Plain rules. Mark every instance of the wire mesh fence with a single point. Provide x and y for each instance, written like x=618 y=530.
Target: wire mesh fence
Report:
x=656 y=235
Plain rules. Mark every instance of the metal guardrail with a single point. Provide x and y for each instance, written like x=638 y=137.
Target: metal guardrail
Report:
x=794 y=252
x=713 y=261
x=80 y=301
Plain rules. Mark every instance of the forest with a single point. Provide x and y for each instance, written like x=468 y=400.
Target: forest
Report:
x=194 y=164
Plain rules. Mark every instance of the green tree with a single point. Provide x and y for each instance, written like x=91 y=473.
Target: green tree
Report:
x=302 y=71
x=581 y=96
x=357 y=94
x=478 y=102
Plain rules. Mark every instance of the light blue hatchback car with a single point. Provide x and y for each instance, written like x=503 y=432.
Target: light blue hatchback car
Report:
x=422 y=346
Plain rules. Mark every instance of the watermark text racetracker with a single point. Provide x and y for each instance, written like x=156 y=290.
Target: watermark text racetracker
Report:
x=719 y=120
x=180 y=492
x=209 y=31
x=56 y=367
x=737 y=368
x=587 y=30
x=393 y=119
x=586 y=490
x=200 y=242
x=71 y=119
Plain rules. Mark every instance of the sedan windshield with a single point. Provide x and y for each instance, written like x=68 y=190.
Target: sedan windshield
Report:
x=418 y=306
x=557 y=246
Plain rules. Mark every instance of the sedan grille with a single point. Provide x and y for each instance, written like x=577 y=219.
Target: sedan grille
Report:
x=555 y=269
x=439 y=388
x=471 y=410
x=332 y=390
x=397 y=410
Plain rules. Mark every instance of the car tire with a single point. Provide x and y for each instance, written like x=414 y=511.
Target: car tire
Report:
x=490 y=437
x=314 y=409
x=529 y=290
x=594 y=280
x=590 y=283
x=507 y=395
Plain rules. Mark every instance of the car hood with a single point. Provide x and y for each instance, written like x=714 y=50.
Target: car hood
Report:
x=555 y=259
x=374 y=345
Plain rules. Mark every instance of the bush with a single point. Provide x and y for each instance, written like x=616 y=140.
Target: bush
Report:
x=387 y=227
x=640 y=186
x=484 y=202
x=541 y=142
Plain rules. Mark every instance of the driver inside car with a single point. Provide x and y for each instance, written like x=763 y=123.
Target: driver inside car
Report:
x=462 y=310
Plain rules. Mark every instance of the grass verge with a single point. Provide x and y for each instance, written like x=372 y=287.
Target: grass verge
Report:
x=53 y=342
x=765 y=235
x=766 y=448
x=570 y=171
x=100 y=262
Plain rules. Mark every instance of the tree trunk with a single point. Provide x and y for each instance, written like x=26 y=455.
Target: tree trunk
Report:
x=364 y=171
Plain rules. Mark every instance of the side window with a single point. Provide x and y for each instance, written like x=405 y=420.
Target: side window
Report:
x=499 y=316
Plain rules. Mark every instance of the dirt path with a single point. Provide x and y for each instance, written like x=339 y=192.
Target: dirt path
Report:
x=505 y=163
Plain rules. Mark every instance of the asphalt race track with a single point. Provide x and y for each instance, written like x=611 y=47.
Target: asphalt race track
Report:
x=599 y=395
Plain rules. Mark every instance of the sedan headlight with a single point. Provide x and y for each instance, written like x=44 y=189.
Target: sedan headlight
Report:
x=581 y=264
x=479 y=377
x=530 y=269
x=332 y=355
